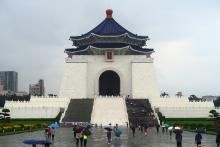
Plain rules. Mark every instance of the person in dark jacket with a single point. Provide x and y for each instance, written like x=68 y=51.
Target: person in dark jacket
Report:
x=133 y=127
x=218 y=139
x=178 y=139
x=74 y=130
x=198 y=139
x=109 y=136
x=157 y=128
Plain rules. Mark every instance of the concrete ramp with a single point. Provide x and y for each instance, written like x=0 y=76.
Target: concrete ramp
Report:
x=109 y=110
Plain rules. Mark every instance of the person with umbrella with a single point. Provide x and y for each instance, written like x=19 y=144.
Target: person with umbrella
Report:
x=179 y=139
x=145 y=129
x=74 y=130
x=163 y=128
x=109 y=134
x=79 y=136
x=117 y=132
x=218 y=139
x=179 y=136
x=133 y=127
x=198 y=139
x=86 y=133
x=157 y=127
x=170 y=131
x=52 y=133
x=53 y=126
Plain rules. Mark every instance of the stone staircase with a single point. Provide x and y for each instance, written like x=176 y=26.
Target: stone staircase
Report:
x=79 y=110
x=109 y=109
x=140 y=112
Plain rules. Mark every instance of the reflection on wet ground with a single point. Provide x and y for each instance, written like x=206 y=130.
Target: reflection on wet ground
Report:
x=64 y=138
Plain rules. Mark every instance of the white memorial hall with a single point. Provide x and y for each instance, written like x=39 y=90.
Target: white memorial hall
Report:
x=109 y=77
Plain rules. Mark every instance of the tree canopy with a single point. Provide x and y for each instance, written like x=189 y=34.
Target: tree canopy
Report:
x=3 y=98
x=217 y=102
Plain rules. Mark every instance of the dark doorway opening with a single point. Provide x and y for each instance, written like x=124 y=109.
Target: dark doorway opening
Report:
x=109 y=83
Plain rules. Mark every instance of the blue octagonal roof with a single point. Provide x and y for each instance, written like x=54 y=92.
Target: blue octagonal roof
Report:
x=109 y=27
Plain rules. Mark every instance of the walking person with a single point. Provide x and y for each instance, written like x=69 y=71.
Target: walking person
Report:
x=158 y=127
x=133 y=127
x=85 y=139
x=145 y=129
x=79 y=138
x=142 y=128
x=46 y=133
x=86 y=132
x=178 y=139
x=171 y=132
x=198 y=139
x=163 y=129
x=74 y=130
x=52 y=133
x=49 y=134
x=109 y=136
x=218 y=139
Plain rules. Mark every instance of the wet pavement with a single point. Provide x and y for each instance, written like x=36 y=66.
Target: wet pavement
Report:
x=64 y=138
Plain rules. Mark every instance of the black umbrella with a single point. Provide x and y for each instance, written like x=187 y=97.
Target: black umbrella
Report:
x=87 y=132
x=200 y=130
x=79 y=129
x=108 y=128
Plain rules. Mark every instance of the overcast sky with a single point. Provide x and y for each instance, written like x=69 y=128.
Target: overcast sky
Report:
x=185 y=36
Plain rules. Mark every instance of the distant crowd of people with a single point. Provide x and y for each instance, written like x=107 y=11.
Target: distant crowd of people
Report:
x=81 y=133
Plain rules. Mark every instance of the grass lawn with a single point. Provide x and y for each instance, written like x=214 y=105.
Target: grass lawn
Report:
x=190 y=124
x=190 y=121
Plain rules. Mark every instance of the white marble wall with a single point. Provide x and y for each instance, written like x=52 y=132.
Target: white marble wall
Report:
x=144 y=83
x=37 y=107
x=136 y=74
x=175 y=107
x=74 y=82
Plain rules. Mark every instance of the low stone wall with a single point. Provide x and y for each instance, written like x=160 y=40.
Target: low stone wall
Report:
x=181 y=107
x=37 y=107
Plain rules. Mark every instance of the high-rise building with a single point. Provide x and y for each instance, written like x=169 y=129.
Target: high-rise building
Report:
x=37 y=89
x=9 y=80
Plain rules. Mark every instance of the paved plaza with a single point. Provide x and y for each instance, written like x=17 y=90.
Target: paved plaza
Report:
x=64 y=138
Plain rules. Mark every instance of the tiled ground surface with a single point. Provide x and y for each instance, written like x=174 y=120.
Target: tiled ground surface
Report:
x=64 y=138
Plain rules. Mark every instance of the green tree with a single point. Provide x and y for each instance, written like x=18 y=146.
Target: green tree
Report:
x=217 y=102
x=214 y=114
x=5 y=114
x=161 y=117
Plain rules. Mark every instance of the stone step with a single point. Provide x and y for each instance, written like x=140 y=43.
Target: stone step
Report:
x=140 y=112
x=79 y=110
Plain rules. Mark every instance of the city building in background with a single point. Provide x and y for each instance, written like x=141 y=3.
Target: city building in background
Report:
x=1 y=89
x=9 y=80
x=37 y=89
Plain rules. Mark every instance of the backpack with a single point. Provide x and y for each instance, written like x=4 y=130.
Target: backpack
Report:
x=198 y=137
x=178 y=137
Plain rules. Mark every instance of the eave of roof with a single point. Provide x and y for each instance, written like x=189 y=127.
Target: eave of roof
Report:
x=107 y=46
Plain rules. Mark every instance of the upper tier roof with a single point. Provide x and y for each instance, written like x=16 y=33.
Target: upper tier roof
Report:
x=109 y=27
x=109 y=35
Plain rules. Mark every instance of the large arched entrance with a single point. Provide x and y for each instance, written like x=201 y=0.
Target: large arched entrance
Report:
x=109 y=83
